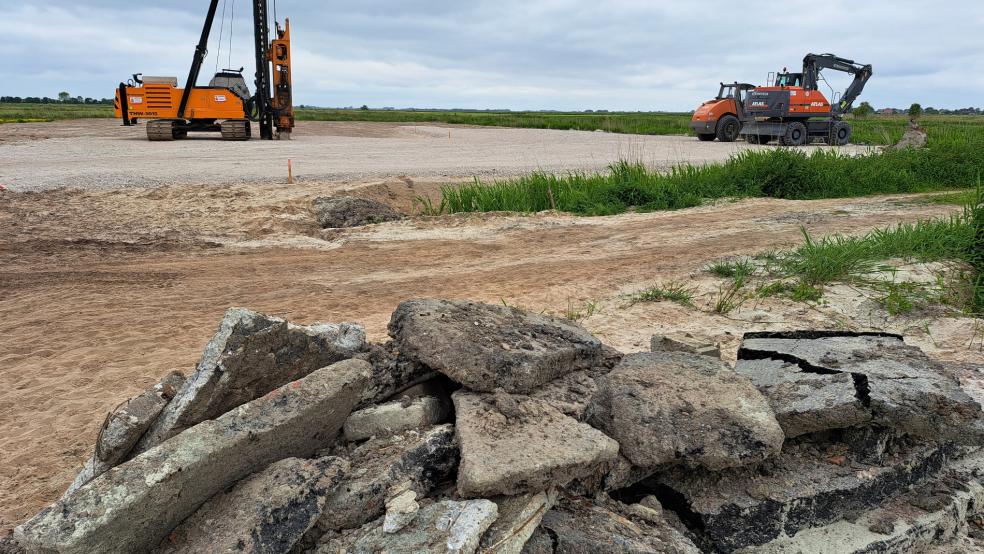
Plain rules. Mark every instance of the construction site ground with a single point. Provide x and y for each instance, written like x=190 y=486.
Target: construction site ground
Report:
x=120 y=278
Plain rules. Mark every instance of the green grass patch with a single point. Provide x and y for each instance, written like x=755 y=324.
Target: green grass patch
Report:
x=671 y=291
x=959 y=198
x=35 y=113
x=740 y=268
x=777 y=173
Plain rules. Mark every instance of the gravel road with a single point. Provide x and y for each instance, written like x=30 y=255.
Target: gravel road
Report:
x=99 y=153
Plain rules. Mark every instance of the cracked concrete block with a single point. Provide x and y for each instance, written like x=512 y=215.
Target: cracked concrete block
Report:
x=131 y=507
x=806 y=402
x=485 y=347
x=674 y=407
x=267 y=512
x=801 y=488
x=900 y=386
x=392 y=418
x=251 y=355
x=512 y=444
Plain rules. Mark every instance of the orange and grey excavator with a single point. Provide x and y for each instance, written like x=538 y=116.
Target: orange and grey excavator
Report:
x=795 y=111
x=225 y=105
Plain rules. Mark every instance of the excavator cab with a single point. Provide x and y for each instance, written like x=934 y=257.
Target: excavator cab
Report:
x=786 y=79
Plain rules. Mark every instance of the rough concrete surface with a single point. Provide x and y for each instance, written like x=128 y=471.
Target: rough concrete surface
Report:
x=579 y=526
x=134 y=505
x=516 y=444
x=395 y=417
x=417 y=460
x=518 y=517
x=266 y=512
x=674 y=407
x=484 y=346
x=448 y=527
x=251 y=355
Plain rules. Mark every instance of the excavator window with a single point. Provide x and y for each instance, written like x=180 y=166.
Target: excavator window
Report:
x=789 y=80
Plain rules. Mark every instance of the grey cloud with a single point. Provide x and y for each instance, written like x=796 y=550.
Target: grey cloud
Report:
x=559 y=54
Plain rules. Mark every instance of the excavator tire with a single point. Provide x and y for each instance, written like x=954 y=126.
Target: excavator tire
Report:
x=796 y=135
x=161 y=129
x=235 y=129
x=727 y=128
x=840 y=133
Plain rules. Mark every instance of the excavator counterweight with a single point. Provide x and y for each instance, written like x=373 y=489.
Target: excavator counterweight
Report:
x=225 y=105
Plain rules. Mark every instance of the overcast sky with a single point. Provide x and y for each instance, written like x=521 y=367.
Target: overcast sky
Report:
x=518 y=54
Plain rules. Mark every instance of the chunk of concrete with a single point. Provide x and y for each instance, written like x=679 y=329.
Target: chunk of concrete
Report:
x=124 y=426
x=747 y=507
x=516 y=444
x=251 y=355
x=449 y=526
x=485 y=347
x=806 y=402
x=349 y=211
x=420 y=459
x=898 y=526
x=898 y=383
x=579 y=526
x=133 y=506
x=518 y=517
x=268 y=511
x=392 y=374
x=571 y=393
x=388 y=419
x=673 y=407
x=400 y=511
x=685 y=342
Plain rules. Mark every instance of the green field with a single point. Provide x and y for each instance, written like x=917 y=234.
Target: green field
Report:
x=877 y=129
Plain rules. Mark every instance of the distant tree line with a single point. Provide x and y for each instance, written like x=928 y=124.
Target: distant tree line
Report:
x=63 y=98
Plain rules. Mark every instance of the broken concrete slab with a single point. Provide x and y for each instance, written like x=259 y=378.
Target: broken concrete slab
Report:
x=806 y=402
x=391 y=418
x=268 y=511
x=571 y=393
x=349 y=211
x=392 y=374
x=422 y=459
x=449 y=526
x=485 y=347
x=801 y=488
x=400 y=511
x=674 y=407
x=685 y=342
x=124 y=426
x=518 y=517
x=133 y=506
x=898 y=383
x=579 y=526
x=516 y=444
x=898 y=526
x=251 y=355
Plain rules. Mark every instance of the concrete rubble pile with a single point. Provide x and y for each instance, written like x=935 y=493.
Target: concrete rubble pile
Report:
x=482 y=428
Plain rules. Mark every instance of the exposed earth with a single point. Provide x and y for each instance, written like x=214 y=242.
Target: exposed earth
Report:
x=104 y=289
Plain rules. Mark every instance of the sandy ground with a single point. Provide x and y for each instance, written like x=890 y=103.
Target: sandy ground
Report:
x=103 y=291
x=113 y=156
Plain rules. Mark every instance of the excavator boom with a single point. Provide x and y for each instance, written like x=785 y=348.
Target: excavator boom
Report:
x=813 y=64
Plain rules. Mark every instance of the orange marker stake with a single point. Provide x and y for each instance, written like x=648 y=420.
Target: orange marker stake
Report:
x=290 y=173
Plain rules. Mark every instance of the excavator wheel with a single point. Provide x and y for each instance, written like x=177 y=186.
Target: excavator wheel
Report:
x=235 y=129
x=706 y=137
x=840 y=133
x=162 y=129
x=796 y=135
x=727 y=128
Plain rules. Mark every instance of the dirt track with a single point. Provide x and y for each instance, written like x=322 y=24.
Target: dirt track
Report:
x=114 y=156
x=102 y=292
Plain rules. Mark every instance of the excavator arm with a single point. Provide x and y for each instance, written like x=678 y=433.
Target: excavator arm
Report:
x=813 y=64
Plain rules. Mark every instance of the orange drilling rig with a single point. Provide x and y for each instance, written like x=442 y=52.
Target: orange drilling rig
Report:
x=225 y=105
